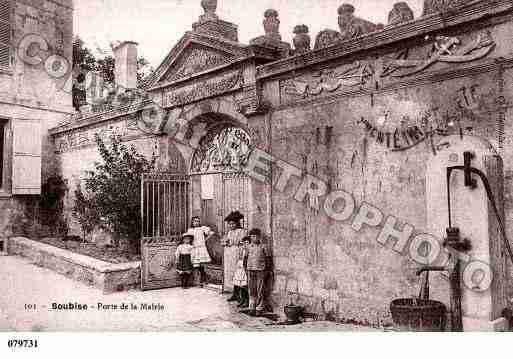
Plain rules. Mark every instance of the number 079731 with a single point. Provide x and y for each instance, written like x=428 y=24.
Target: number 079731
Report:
x=22 y=343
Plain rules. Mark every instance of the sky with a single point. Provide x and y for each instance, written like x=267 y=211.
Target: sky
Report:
x=158 y=24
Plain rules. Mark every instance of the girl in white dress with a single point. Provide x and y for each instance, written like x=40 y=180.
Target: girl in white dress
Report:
x=240 y=278
x=231 y=242
x=200 y=255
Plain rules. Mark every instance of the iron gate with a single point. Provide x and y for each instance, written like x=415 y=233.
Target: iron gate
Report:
x=165 y=214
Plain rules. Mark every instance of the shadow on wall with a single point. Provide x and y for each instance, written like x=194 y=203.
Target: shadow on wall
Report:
x=40 y=216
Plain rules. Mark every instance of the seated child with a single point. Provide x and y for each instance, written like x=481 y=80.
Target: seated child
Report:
x=184 y=265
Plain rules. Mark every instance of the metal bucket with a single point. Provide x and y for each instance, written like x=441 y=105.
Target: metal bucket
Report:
x=293 y=313
x=417 y=315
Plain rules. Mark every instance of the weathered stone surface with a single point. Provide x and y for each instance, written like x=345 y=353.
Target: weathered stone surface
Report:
x=434 y=6
x=305 y=285
x=280 y=284
x=210 y=24
x=362 y=277
x=272 y=24
x=350 y=25
x=28 y=92
x=292 y=286
x=400 y=13
x=272 y=37
x=327 y=38
x=302 y=39
x=210 y=7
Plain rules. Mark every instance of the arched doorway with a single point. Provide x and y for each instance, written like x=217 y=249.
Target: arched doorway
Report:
x=219 y=184
x=211 y=186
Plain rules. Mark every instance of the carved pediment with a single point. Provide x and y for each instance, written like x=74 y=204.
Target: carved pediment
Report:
x=195 y=54
x=195 y=59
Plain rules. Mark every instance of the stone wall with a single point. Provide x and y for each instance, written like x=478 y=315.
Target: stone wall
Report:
x=28 y=92
x=107 y=277
x=359 y=118
x=322 y=128
x=30 y=85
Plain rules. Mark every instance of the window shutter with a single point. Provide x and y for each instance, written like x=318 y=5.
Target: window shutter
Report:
x=26 y=164
x=5 y=33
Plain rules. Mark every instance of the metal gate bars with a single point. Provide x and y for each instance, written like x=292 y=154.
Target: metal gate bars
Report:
x=165 y=206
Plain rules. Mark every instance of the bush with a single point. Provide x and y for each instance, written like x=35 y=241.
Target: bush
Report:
x=85 y=212
x=112 y=196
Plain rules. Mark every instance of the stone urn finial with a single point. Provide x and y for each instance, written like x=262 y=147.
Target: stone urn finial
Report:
x=272 y=24
x=350 y=25
x=210 y=7
x=346 y=9
x=434 y=6
x=302 y=39
x=400 y=13
x=327 y=38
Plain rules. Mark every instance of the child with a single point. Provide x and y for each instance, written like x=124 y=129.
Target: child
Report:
x=184 y=265
x=240 y=278
x=230 y=256
x=258 y=259
x=200 y=255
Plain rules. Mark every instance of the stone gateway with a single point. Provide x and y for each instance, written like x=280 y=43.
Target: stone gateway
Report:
x=360 y=114
x=328 y=150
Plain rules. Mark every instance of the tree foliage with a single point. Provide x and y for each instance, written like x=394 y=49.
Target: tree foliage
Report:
x=84 y=60
x=106 y=67
x=85 y=212
x=113 y=189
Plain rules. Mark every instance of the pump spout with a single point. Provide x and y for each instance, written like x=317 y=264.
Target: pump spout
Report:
x=454 y=278
x=432 y=269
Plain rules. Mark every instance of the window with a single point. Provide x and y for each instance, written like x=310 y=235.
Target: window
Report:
x=5 y=33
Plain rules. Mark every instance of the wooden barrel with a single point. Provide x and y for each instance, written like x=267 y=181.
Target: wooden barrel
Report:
x=416 y=315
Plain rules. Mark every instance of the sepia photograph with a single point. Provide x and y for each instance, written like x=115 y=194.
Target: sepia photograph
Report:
x=271 y=166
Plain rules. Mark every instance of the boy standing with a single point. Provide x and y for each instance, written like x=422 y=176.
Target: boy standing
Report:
x=258 y=259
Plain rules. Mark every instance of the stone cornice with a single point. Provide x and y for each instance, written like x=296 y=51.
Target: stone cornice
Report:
x=426 y=78
x=92 y=120
x=391 y=35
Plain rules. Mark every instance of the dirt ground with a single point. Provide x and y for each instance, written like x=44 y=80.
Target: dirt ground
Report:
x=29 y=292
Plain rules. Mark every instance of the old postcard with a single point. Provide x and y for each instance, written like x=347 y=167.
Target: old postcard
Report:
x=255 y=166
